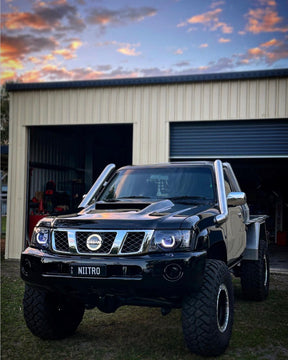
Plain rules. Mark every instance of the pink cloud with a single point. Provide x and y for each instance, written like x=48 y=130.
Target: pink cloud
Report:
x=57 y=15
x=21 y=20
x=267 y=2
x=53 y=72
x=129 y=50
x=69 y=53
x=208 y=17
x=268 y=52
x=256 y=52
x=123 y=48
x=17 y=47
x=179 y=51
x=270 y=43
x=264 y=20
x=104 y=16
x=223 y=40
x=66 y=53
x=216 y=4
x=209 y=20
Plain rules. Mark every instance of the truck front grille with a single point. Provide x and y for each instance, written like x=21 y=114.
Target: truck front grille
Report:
x=119 y=242
x=107 y=237
x=61 y=241
x=133 y=242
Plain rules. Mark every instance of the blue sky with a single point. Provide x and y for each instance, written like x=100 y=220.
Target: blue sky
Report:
x=80 y=40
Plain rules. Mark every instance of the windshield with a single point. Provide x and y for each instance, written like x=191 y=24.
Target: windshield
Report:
x=181 y=183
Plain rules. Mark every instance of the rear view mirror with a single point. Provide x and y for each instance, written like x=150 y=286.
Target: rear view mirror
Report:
x=236 y=198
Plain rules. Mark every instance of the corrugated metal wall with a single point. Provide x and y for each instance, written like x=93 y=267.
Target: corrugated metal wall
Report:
x=229 y=139
x=150 y=108
x=53 y=157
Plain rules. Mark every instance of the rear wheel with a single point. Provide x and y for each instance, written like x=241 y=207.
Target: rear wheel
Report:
x=255 y=275
x=50 y=316
x=207 y=316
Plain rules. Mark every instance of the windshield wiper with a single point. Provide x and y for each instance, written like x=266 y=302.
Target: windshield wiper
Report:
x=126 y=197
x=134 y=197
x=190 y=199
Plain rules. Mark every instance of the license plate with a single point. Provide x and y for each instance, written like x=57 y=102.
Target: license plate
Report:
x=88 y=270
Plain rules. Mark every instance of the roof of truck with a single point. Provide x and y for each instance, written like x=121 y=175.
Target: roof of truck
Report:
x=169 y=164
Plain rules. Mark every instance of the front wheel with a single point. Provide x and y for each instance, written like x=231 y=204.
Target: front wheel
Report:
x=207 y=316
x=50 y=316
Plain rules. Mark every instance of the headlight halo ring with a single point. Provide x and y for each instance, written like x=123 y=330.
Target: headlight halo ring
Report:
x=170 y=240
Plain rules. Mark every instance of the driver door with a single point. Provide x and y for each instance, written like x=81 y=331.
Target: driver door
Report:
x=235 y=229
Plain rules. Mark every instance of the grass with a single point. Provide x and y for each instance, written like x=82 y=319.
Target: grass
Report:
x=134 y=333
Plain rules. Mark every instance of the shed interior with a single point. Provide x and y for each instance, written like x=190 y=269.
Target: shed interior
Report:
x=265 y=182
x=64 y=161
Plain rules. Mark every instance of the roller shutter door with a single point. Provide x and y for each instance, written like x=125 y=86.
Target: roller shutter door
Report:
x=227 y=139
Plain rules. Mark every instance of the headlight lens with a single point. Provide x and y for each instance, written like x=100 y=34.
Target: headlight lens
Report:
x=168 y=240
x=40 y=238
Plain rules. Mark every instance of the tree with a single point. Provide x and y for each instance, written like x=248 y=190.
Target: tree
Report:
x=4 y=126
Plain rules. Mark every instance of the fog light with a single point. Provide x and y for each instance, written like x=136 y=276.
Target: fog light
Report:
x=26 y=267
x=173 y=272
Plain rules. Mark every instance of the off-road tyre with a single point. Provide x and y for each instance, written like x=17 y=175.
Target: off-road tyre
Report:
x=207 y=316
x=255 y=275
x=50 y=316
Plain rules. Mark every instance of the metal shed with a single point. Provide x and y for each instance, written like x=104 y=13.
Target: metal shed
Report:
x=67 y=131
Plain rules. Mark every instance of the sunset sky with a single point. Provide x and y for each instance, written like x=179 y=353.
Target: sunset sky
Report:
x=81 y=40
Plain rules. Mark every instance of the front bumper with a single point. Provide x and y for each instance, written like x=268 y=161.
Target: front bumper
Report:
x=153 y=275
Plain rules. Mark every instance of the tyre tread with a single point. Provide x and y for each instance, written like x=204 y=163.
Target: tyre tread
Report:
x=198 y=310
x=43 y=320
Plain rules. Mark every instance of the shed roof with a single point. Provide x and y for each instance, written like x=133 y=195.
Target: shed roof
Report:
x=159 y=80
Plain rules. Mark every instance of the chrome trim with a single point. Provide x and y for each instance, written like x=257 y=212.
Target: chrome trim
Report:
x=71 y=241
x=96 y=186
x=223 y=323
x=116 y=248
x=266 y=271
x=119 y=238
x=222 y=217
x=257 y=218
x=236 y=198
x=212 y=157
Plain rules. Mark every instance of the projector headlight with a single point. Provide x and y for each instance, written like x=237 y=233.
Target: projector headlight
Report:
x=40 y=238
x=168 y=240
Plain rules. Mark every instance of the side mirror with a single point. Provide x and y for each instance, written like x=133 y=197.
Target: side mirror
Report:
x=236 y=199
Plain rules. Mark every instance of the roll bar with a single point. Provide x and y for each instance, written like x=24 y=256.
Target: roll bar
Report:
x=97 y=185
x=222 y=217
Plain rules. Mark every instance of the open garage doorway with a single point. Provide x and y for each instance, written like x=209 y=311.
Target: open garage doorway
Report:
x=265 y=183
x=64 y=161
x=258 y=153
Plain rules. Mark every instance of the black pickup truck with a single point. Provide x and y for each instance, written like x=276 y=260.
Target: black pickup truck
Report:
x=166 y=235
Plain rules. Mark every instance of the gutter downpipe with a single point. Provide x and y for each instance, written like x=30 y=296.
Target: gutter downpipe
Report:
x=222 y=217
x=97 y=185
